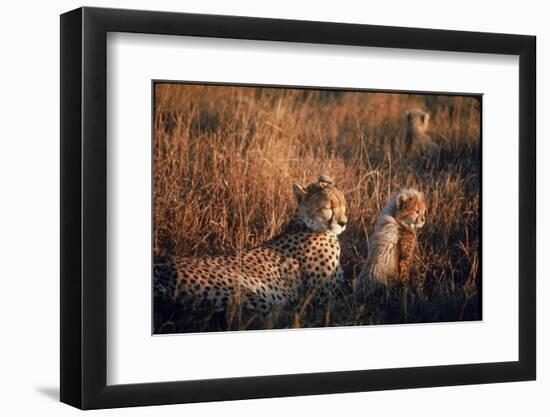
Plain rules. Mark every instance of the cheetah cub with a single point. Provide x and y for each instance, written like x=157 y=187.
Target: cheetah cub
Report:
x=394 y=240
x=417 y=138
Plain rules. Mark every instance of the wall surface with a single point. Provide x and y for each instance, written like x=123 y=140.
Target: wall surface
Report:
x=29 y=225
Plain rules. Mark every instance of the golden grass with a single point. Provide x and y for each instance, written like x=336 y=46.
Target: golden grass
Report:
x=225 y=159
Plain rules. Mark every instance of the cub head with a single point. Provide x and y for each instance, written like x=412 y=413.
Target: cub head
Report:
x=321 y=206
x=410 y=208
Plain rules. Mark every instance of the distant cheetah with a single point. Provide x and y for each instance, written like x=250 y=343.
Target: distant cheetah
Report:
x=417 y=138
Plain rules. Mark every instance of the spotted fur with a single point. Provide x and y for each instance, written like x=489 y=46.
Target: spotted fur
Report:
x=302 y=260
x=392 y=245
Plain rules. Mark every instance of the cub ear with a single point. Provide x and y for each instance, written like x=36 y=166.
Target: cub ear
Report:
x=400 y=200
x=324 y=181
x=299 y=191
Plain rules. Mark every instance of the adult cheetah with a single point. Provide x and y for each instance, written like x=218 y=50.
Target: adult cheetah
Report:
x=301 y=261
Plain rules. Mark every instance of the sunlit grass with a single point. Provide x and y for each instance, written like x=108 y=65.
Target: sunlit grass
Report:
x=225 y=159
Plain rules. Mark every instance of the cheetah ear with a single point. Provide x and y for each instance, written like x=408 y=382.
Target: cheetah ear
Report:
x=299 y=191
x=400 y=200
x=324 y=180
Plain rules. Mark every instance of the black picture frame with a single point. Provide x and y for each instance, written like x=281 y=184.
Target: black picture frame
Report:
x=84 y=207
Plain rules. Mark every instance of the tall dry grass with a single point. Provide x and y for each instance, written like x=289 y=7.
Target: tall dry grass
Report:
x=225 y=159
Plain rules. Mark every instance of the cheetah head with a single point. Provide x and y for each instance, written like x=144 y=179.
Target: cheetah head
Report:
x=321 y=206
x=418 y=118
x=410 y=208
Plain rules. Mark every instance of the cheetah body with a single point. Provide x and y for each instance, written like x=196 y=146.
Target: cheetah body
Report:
x=302 y=261
x=280 y=272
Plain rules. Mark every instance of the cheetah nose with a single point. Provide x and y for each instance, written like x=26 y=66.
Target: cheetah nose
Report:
x=342 y=223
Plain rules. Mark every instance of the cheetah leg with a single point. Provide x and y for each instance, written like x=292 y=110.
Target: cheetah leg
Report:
x=405 y=301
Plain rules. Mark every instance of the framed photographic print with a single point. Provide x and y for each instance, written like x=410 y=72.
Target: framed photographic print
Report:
x=257 y=207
